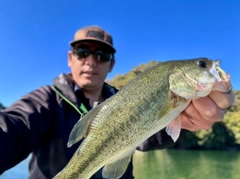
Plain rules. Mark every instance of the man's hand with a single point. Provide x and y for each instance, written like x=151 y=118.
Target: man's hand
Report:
x=204 y=112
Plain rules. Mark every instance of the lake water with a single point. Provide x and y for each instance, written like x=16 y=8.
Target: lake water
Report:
x=187 y=164
x=170 y=164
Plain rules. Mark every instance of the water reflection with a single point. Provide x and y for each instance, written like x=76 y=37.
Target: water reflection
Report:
x=186 y=164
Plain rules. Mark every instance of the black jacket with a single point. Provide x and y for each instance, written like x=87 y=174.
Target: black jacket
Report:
x=40 y=123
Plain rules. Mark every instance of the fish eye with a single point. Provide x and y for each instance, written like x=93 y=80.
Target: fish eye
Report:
x=202 y=64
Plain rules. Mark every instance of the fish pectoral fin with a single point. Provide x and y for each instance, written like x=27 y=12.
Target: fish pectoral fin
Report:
x=169 y=106
x=117 y=168
x=80 y=129
x=173 y=129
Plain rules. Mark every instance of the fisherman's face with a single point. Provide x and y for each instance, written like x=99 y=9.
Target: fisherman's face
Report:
x=90 y=63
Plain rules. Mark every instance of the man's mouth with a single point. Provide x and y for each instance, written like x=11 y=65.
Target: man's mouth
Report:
x=90 y=73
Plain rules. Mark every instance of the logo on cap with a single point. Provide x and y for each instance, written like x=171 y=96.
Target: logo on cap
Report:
x=95 y=34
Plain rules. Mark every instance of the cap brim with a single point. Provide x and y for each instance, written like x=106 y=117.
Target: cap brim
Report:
x=95 y=40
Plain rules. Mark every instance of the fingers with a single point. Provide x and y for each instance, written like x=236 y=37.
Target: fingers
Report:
x=204 y=112
x=208 y=109
x=222 y=100
x=192 y=120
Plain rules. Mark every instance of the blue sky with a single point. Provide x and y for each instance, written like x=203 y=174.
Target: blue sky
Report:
x=35 y=36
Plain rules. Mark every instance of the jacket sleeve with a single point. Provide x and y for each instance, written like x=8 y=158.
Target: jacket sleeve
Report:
x=24 y=124
x=160 y=140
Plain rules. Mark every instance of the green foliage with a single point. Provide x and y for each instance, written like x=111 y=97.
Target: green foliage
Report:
x=188 y=141
x=218 y=137
x=232 y=117
x=120 y=81
x=221 y=136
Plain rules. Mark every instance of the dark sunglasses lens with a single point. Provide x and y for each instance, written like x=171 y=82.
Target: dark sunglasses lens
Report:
x=82 y=53
x=102 y=56
x=99 y=55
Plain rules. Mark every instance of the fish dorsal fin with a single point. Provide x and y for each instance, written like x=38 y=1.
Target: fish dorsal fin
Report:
x=80 y=129
x=117 y=168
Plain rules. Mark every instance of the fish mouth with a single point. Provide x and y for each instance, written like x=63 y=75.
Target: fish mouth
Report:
x=218 y=73
x=200 y=85
x=223 y=83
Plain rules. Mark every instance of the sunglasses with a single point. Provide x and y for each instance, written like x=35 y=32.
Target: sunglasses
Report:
x=99 y=55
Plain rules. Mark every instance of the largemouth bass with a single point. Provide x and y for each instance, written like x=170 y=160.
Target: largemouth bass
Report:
x=149 y=103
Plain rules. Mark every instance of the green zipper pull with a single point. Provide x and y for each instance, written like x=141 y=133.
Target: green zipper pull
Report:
x=82 y=107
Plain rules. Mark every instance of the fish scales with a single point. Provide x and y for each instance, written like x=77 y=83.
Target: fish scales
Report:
x=140 y=109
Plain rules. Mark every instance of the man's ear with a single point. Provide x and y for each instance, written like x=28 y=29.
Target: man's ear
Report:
x=111 y=65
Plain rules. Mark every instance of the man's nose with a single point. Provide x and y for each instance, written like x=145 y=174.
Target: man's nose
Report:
x=91 y=60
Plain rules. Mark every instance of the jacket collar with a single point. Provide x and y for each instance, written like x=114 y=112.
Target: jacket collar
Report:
x=64 y=84
x=67 y=87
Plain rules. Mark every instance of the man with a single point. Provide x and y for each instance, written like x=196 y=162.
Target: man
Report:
x=41 y=121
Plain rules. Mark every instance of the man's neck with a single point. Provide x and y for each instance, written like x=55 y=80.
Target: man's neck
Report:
x=93 y=95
